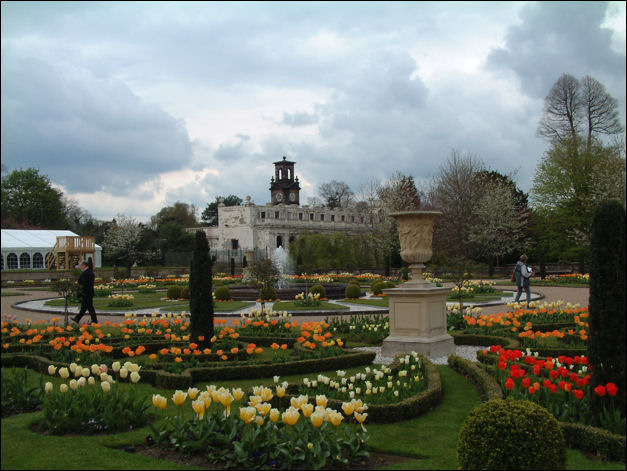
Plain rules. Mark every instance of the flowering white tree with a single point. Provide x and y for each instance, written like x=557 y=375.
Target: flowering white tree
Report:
x=498 y=226
x=122 y=239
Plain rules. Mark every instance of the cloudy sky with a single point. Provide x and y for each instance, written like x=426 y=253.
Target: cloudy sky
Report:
x=131 y=106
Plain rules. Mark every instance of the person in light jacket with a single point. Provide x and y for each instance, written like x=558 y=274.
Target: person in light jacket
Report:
x=523 y=272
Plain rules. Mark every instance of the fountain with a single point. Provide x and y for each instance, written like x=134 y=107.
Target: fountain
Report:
x=281 y=260
x=418 y=307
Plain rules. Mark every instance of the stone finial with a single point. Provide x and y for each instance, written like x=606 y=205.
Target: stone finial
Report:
x=221 y=202
x=249 y=201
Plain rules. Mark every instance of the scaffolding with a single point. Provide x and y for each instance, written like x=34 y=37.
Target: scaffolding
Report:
x=69 y=251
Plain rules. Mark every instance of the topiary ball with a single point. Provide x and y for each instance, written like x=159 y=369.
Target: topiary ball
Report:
x=223 y=293
x=511 y=434
x=174 y=292
x=352 y=292
x=318 y=289
x=267 y=293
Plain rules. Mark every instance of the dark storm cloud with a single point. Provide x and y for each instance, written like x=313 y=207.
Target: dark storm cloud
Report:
x=88 y=133
x=560 y=37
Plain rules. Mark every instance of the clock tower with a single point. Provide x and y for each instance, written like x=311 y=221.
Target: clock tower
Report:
x=284 y=186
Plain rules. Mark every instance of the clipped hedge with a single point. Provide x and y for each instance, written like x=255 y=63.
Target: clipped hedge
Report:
x=318 y=289
x=352 y=292
x=223 y=293
x=485 y=383
x=602 y=443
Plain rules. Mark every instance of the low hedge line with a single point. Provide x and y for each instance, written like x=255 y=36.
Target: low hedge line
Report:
x=555 y=352
x=192 y=376
x=410 y=408
x=487 y=340
x=486 y=384
x=604 y=444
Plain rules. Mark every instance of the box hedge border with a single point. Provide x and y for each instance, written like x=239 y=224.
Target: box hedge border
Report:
x=191 y=376
x=603 y=443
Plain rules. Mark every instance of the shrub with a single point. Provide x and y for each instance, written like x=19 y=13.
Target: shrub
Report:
x=267 y=292
x=319 y=289
x=606 y=344
x=223 y=293
x=378 y=286
x=352 y=292
x=174 y=292
x=185 y=292
x=200 y=293
x=510 y=434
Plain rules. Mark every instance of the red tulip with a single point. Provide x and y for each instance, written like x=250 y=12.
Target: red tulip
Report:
x=578 y=393
x=509 y=383
x=600 y=390
x=611 y=389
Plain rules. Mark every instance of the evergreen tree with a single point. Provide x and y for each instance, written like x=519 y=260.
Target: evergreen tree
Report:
x=606 y=340
x=200 y=287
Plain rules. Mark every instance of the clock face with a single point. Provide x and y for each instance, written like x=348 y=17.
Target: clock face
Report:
x=279 y=197
x=292 y=196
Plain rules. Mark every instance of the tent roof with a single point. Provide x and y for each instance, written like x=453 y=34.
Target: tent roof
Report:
x=37 y=239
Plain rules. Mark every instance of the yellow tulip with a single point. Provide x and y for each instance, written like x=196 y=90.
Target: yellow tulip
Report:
x=263 y=408
x=361 y=418
x=192 y=393
x=348 y=408
x=317 y=418
x=321 y=401
x=238 y=394
x=199 y=407
x=266 y=394
x=179 y=397
x=159 y=402
x=307 y=410
x=274 y=415
x=290 y=416
x=336 y=418
x=259 y=420
x=64 y=373
x=280 y=391
x=247 y=414
x=63 y=388
x=254 y=400
x=206 y=397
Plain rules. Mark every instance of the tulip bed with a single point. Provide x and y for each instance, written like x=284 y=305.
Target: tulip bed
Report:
x=561 y=385
x=302 y=435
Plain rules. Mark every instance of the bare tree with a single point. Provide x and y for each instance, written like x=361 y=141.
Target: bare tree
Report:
x=578 y=110
x=336 y=194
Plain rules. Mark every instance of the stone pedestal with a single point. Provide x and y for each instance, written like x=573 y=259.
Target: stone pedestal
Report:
x=418 y=321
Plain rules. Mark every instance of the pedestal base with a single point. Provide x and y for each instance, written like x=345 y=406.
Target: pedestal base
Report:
x=432 y=347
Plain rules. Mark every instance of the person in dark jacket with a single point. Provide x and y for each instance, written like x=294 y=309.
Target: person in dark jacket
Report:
x=86 y=292
x=523 y=272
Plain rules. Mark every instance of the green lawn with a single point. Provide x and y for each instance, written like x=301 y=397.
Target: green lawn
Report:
x=11 y=293
x=291 y=306
x=380 y=302
x=153 y=300
x=431 y=439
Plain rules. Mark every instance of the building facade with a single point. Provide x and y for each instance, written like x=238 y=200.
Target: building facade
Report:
x=258 y=230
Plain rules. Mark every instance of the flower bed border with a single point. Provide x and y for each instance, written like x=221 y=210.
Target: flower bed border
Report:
x=606 y=445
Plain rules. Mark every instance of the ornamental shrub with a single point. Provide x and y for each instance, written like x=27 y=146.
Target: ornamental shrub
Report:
x=511 y=434
x=606 y=339
x=267 y=292
x=185 y=292
x=200 y=290
x=318 y=289
x=378 y=286
x=223 y=293
x=352 y=292
x=174 y=292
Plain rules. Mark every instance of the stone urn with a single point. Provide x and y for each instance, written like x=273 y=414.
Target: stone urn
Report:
x=417 y=307
x=415 y=231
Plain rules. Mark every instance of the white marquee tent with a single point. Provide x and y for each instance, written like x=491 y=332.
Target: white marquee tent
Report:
x=27 y=249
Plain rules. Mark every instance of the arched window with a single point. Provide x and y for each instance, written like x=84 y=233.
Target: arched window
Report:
x=24 y=260
x=12 y=261
x=38 y=260
x=279 y=241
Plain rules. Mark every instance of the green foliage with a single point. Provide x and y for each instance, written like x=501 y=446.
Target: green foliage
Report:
x=323 y=252
x=509 y=434
x=378 y=286
x=200 y=290
x=223 y=293
x=17 y=395
x=174 y=292
x=606 y=342
x=29 y=200
x=318 y=289
x=353 y=291
x=263 y=273
x=267 y=293
x=210 y=215
x=90 y=409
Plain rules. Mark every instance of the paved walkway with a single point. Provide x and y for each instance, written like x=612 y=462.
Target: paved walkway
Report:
x=34 y=299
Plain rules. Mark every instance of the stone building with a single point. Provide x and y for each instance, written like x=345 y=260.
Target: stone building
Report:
x=255 y=231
